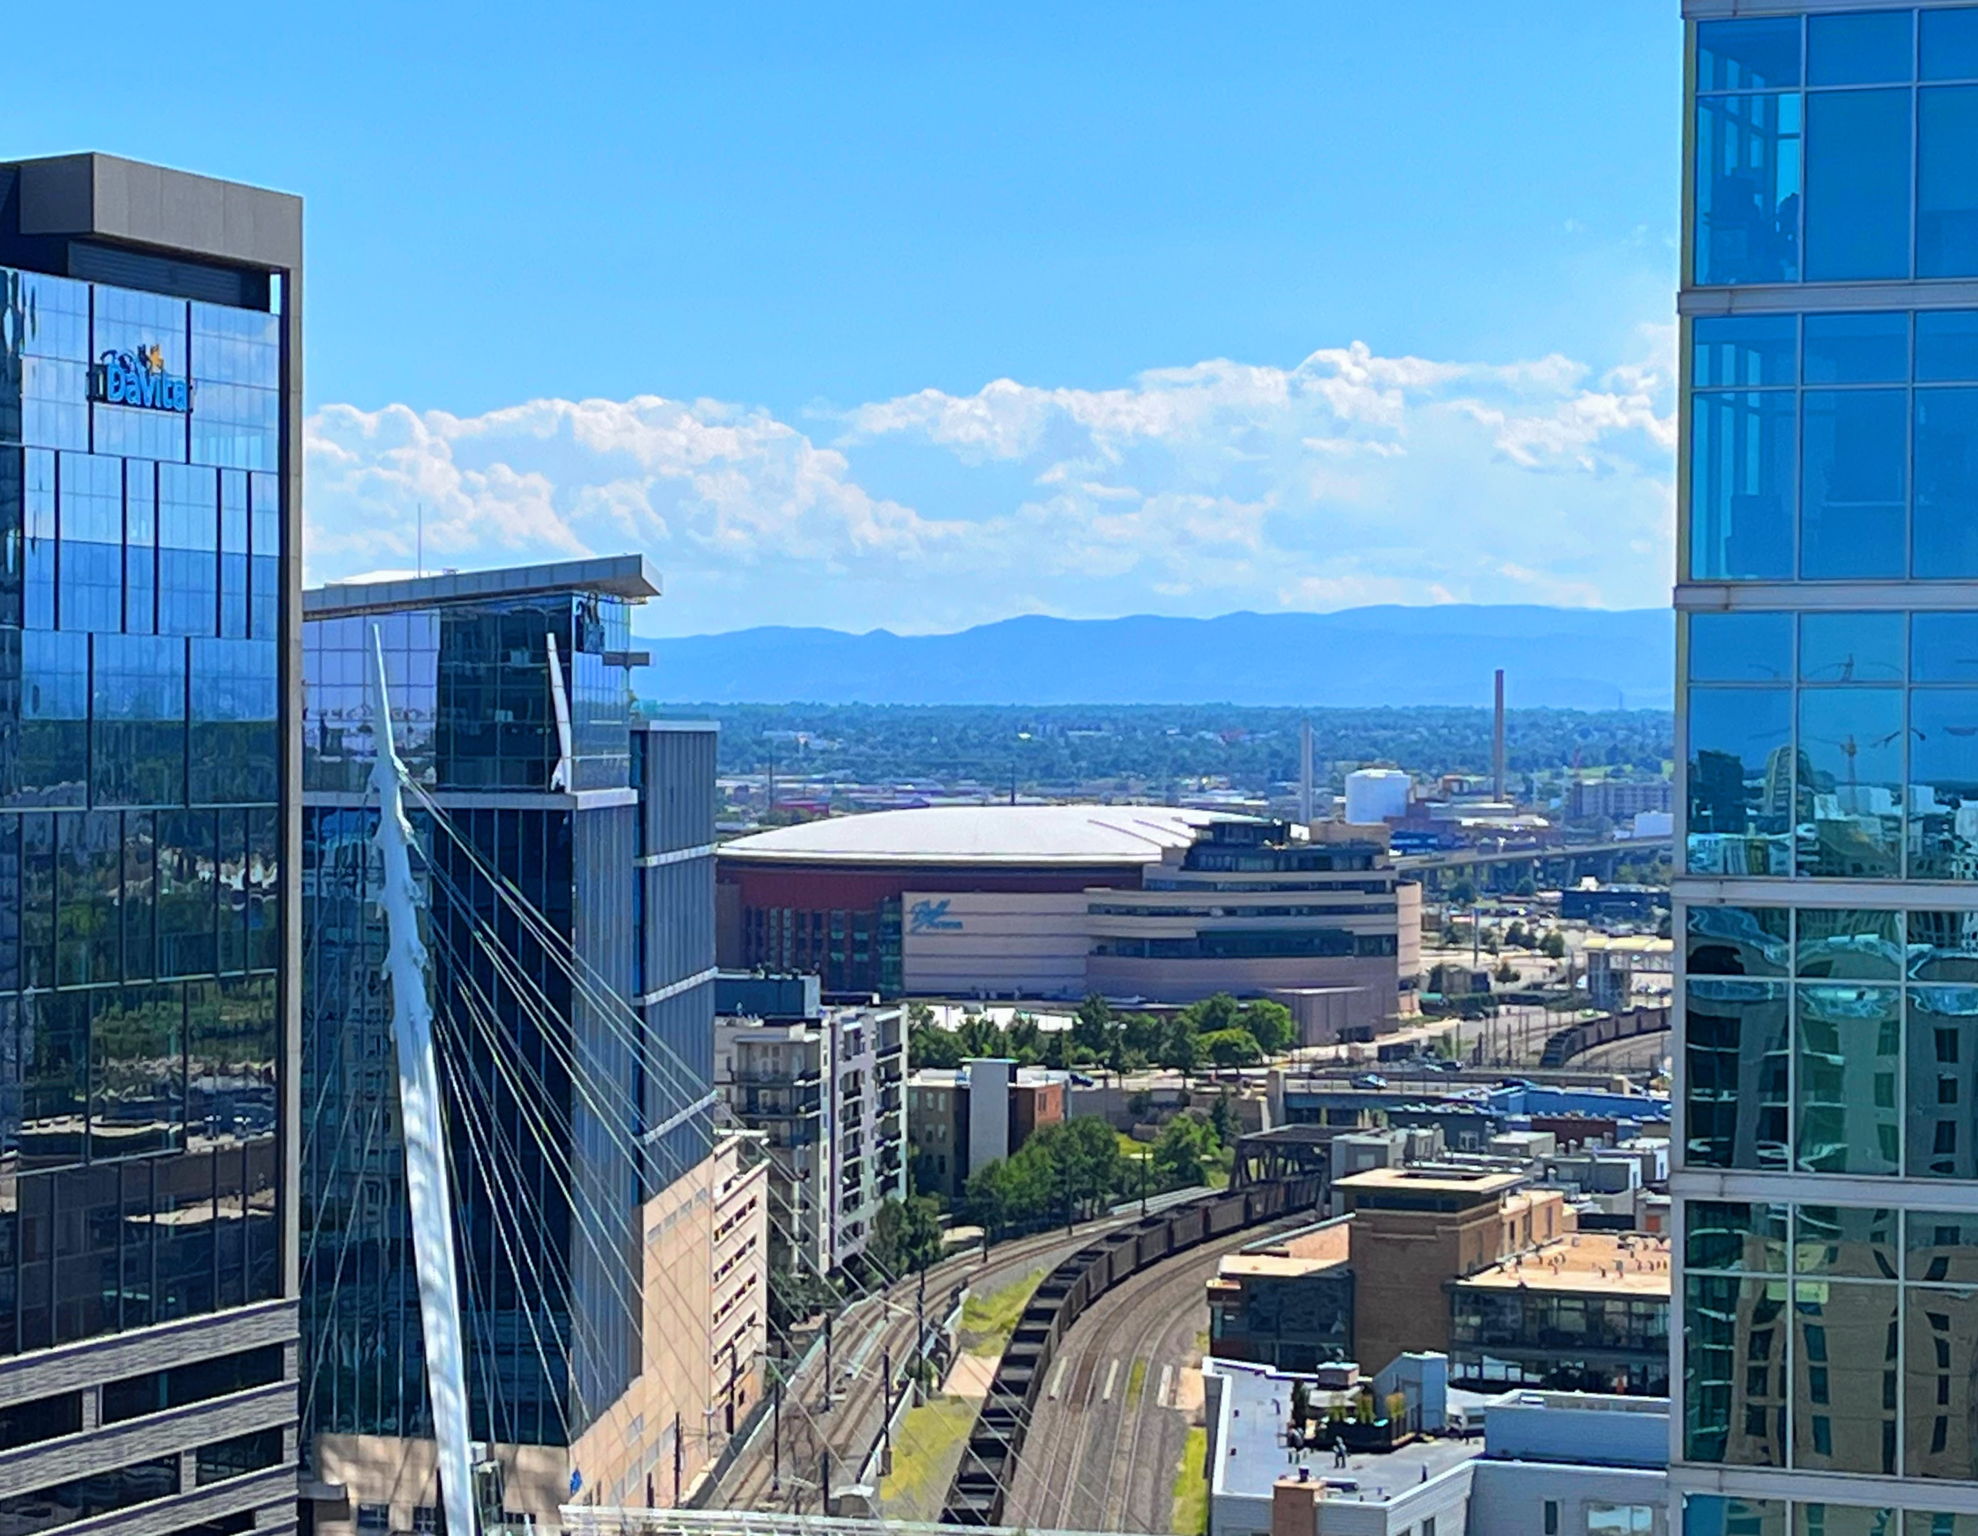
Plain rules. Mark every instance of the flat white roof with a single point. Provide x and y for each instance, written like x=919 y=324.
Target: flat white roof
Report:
x=984 y=834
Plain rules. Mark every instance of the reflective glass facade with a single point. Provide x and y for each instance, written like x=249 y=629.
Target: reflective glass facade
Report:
x=1826 y=1174
x=144 y=1062
x=606 y=836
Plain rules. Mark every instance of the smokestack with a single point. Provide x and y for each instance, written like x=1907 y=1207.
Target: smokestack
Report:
x=1497 y=742
x=1305 y=773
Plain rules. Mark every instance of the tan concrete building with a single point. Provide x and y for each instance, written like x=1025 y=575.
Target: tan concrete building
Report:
x=1416 y=1230
x=704 y=1295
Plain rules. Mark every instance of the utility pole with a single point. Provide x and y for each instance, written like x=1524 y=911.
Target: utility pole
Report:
x=1143 y=1185
x=776 y=1438
x=886 y=1409
x=824 y=1480
x=829 y=1379
x=679 y=1460
x=919 y=1330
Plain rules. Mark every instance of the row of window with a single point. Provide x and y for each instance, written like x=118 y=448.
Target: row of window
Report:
x=95 y=543
x=104 y=1073
x=1836 y=154
x=138 y=720
x=1265 y=944
x=104 y=1493
x=473 y=702
x=1833 y=484
x=1832 y=1078
x=1711 y=1514
x=1842 y=782
x=87 y=1251
x=112 y=896
x=55 y=330
x=1832 y=944
x=1830 y=1375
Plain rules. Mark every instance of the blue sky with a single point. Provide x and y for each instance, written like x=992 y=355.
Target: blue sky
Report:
x=919 y=316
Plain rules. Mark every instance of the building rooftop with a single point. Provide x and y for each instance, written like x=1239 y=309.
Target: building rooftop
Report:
x=1630 y=944
x=985 y=834
x=1253 y=1454
x=626 y=576
x=1295 y=1253
x=1481 y=1184
x=1626 y=1263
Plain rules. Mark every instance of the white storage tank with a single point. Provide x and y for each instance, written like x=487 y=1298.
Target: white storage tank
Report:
x=1374 y=794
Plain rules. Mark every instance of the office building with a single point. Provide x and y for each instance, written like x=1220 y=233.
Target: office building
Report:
x=1616 y=799
x=1826 y=1177
x=150 y=514
x=826 y=1087
x=610 y=1248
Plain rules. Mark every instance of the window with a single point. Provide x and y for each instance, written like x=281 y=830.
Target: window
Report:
x=1551 y=1517
x=1836 y=152
x=157 y=1391
x=1620 y=1519
x=238 y=1456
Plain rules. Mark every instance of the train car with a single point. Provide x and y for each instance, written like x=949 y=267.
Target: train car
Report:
x=988 y=1465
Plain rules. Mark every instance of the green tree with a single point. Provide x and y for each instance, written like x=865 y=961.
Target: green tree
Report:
x=929 y=1045
x=1213 y=1013
x=1230 y=1048
x=906 y=1234
x=1182 y=1155
x=1553 y=945
x=1091 y=1023
x=1270 y=1025
x=1222 y=1120
x=1179 y=1048
x=1506 y=971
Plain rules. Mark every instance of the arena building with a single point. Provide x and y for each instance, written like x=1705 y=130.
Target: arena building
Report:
x=1050 y=902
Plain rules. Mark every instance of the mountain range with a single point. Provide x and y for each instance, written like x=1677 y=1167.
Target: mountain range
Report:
x=1572 y=658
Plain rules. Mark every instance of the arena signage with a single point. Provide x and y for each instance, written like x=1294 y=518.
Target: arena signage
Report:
x=932 y=917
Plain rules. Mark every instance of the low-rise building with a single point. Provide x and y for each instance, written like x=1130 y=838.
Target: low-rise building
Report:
x=1545 y=1463
x=1611 y=800
x=1415 y=1230
x=963 y=1118
x=1287 y=1303
x=1587 y=1312
x=1473 y=1265
x=825 y=1087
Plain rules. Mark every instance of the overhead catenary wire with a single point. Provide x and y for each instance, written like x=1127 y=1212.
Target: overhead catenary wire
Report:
x=612 y=1010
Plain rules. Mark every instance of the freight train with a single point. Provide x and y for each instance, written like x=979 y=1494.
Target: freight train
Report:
x=988 y=1465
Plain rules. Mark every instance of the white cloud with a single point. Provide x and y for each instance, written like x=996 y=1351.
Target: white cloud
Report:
x=1351 y=478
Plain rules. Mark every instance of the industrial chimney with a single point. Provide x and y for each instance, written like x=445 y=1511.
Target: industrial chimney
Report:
x=1497 y=742
x=1305 y=773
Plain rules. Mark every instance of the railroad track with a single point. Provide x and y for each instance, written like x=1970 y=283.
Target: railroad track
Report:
x=819 y=1416
x=1104 y=1440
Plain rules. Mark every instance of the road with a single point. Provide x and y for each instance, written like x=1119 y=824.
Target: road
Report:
x=839 y=1409
x=1109 y=1428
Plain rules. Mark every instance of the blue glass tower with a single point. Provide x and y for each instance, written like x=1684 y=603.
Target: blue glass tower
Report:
x=149 y=507
x=1827 y=598
x=512 y=712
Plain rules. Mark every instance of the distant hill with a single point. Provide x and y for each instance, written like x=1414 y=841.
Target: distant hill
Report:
x=1574 y=658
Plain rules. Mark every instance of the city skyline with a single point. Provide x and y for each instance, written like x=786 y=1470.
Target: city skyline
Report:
x=1202 y=356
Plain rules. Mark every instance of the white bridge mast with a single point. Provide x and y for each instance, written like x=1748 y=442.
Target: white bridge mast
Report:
x=424 y=1129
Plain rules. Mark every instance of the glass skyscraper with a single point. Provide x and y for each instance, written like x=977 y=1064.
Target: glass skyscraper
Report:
x=149 y=503
x=512 y=712
x=1827 y=601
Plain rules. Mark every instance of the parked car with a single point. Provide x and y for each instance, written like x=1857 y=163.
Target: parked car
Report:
x=1370 y=1080
x=1082 y=1079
